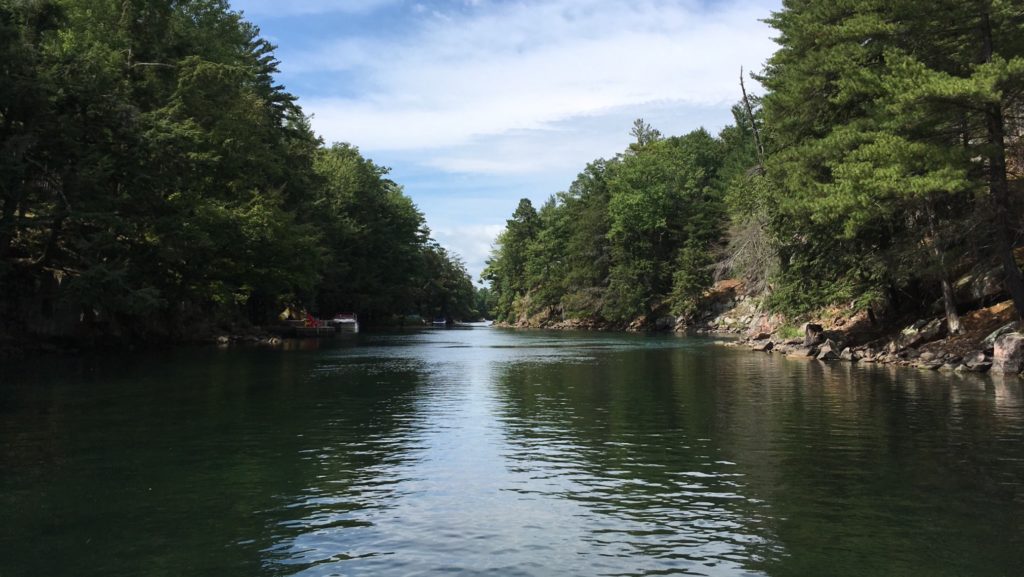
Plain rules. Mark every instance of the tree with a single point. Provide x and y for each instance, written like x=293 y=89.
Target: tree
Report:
x=661 y=197
x=506 y=269
x=156 y=180
x=375 y=236
x=955 y=86
x=447 y=291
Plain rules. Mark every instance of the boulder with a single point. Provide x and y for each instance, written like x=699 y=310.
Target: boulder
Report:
x=763 y=346
x=1008 y=355
x=975 y=357
x=982 y=286
x=827 y=352
x=990 y=341
x=979 y=367
x=813 y=335
x=917 y=334
x=760 y=336
x=977 y=362
x=848 y=354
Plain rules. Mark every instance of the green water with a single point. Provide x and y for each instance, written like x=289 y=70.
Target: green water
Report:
x=488 y=452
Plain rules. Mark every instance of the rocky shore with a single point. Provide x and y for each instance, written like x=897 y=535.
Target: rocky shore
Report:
x=990 y=339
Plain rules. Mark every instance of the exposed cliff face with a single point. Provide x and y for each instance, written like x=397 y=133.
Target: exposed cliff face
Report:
x=727 y=308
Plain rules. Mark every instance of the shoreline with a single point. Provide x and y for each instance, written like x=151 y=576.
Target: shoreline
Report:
x=990 y=340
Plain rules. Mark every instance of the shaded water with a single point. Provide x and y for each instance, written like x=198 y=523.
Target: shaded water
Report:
x=487 y=452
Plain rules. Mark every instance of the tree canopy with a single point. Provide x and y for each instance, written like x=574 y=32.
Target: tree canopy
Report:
x=154 y=178
x=882 y=162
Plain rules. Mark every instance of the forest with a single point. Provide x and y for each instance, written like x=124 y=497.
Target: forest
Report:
x=881 y=163
x=157 y=183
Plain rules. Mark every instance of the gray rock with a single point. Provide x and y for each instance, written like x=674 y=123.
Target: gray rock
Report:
x=1008 y=354
x=990 y=341
x=927 y=356
x=763 y=346
x=933 y=330
x=917 y=334
x=979 y=367
x=828 y=356
x=981 y=286
x=977 y=362
x=977 y=357
x=827 y=352
x=848 y=354
x=813 y=335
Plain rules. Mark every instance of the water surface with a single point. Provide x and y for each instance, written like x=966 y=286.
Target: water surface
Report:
x=488 y=452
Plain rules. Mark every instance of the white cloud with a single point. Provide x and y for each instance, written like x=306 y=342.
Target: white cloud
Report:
x=477 y=103
x=471 y=242
x=507 y=68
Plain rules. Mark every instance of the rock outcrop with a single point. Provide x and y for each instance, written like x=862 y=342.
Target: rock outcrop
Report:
x=1008 y=354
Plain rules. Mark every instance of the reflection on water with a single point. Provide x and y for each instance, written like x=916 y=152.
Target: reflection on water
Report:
x=493 y=452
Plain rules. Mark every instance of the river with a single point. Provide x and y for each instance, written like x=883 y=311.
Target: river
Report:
x=492 y=452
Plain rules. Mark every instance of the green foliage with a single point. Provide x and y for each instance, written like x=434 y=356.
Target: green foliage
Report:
x=447 y=291
x=152 y=167
x=879 y=143
x=507 y=268
x=629 y=234
x=692 y=277
x=484 y=301
x=790 y=332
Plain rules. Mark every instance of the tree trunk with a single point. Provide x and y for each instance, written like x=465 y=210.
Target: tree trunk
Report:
x=948 y=296
x=949 y=301
x=753 y=123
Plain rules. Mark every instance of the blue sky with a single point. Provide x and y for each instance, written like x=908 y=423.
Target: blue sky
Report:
x=475 y=104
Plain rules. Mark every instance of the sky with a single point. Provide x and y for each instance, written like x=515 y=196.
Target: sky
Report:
x=475 y=104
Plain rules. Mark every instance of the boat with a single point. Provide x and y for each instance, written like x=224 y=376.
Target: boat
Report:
x=345 y=323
